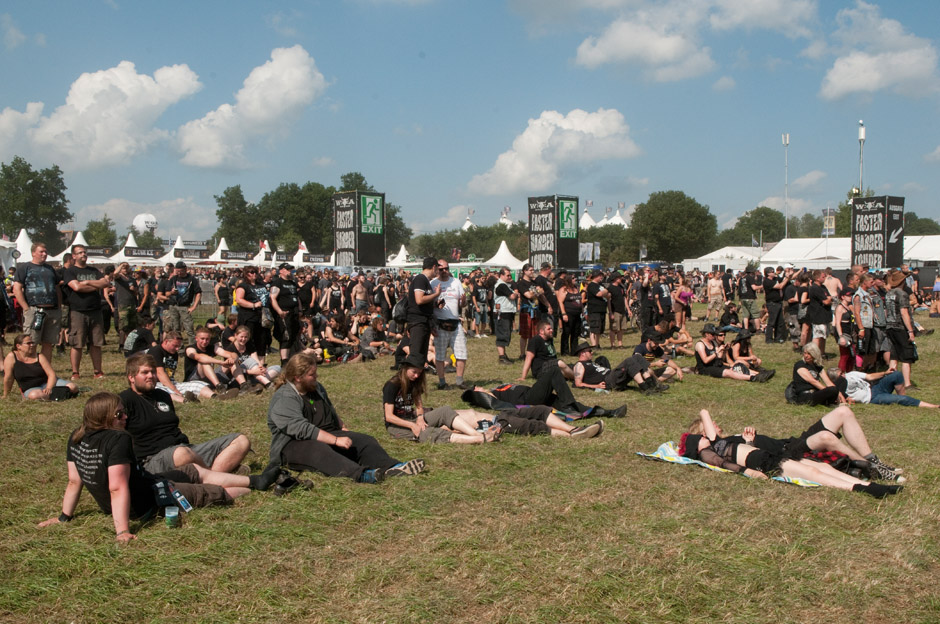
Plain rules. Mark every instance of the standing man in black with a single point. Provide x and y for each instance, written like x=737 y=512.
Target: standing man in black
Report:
x=774 y=286
x=182 y=294
x=748 y=287
x=547 y=299
x=619 y=317
x=597 y=297
x=286 y=308
x=85 y=285
x=421 y=298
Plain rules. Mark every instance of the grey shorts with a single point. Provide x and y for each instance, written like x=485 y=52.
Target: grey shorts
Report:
x=207 y=451
x=434 y=433
x=82 y=324
x=50 y=326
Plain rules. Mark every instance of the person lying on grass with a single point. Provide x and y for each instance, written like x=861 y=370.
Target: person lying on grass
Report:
x=704 y=442
x=101 y=457
x=406 y=418
x=308 y=434
x=876 y=388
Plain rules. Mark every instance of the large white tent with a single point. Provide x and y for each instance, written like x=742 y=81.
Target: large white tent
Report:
x=734 y=258
x=401 y=259
x=504 y=257
x=921 y=249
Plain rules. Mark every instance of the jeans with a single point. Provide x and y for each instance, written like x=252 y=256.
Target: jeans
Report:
x=882 y=392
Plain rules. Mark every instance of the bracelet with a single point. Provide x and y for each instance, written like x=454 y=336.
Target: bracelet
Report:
x=64 y=517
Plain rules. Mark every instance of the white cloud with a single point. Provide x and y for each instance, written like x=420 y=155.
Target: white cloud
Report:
x=809 y=180
x=933 y=156
x=323 y=161
x=790 y=17
x=876 y=54
x=14 y=125
x=12 y=36
x=453 y=217
x=282 y=24
x=668 y=53
x=176 y=217
x=108 y=116
x=913 y=187
x=796 y=205
x=550 y=143
x=272 y=97
x=725 y=83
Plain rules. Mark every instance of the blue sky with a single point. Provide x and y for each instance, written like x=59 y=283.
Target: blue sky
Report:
x=454 y=105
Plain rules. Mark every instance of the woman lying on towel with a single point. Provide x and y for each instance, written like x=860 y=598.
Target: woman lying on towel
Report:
x=760 y=456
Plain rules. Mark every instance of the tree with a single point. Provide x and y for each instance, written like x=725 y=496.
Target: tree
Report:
x=101 y=232
x=239 y=221
x=291 y=213
x=673 y=226
x=919 y=226
x=34 y=200
x=811 y=225
x=760 y=224
x=396 y=232
x=354 y=181
x=146 y=239
x=617 y=244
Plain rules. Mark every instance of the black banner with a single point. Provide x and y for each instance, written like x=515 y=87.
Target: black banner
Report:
x=142 y=252
x=316 y=258
x=244 y=256
x=878 y=231
x=553 y=231
x=359 y=228
x=98 y=251
x=344 y=228
x=191 y=254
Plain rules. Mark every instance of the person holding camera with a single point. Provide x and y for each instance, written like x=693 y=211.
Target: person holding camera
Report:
x=35 y=289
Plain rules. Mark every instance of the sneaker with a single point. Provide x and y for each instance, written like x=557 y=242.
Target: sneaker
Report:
x=504 y=360
x=463 y=385
x=410 y=467
x=75 y=377
x=588 y=431
x=372 y=475
x=879 y=466
x=99 y=375
x=442 y=385
x=226 y=395
x=190 y=397
x=620 y=412
x=450 y=369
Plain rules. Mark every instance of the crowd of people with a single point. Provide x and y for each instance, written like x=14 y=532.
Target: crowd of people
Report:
x=411 y=321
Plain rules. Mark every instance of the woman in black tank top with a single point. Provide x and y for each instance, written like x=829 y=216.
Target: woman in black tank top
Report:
x=31 y=371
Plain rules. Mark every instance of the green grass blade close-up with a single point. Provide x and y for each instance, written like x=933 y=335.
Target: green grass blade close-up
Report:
x=535 y=529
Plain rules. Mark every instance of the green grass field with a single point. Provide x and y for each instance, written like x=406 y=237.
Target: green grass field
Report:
x=526 y=530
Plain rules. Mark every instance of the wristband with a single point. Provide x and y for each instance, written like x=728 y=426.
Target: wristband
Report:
x=64 y=517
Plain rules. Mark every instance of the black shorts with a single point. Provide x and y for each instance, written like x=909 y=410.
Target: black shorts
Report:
x=596 y=322
x=867 y=344
x=713 y=371
x=902 y=349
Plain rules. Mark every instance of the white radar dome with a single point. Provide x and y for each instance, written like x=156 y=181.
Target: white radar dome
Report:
x=145 y=222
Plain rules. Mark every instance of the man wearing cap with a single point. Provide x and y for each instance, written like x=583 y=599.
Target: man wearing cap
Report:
x=710 y=352
x=286 y=307
x=182 y=294
x=597 y=298
x=598 y=374
x=900 y=325
x=35 y=287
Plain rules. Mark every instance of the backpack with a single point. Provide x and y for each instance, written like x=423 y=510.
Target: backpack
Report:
x=400 y=311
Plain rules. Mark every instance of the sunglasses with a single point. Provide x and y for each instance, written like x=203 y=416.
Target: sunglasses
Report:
x=121 y=413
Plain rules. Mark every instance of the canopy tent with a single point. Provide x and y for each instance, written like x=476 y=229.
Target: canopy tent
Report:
x=921 y=249
x=505 y=258
x=401 y=260
x=734 y=258
x=24 y=246
x=617 y=220
x=587 y=221
x=812 y=253
x=6 y=254
x=79 y=240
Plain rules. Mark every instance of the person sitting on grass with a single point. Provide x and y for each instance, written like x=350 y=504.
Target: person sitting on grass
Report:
x=201 y=359
x=31 y=371
x=308 y=434
x=540 y=351
x=742 y=352
x=598 y=373
x=247 y=369
x=101 y=458
x=661 y=366
x=406 y=418
x=876 y=388
x=811 y=383
x=704 y=442
x=710 y=353
x=166 y=355
x=140 y=338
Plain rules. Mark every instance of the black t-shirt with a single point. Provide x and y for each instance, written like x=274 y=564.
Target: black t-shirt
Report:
x=617 y=298
x=546 y=286
x=190 y=364
x=746 y=286
x=594 y=373
x=595 y=302
x=818 y=313
x=39 y=282
x=800 y=384
x=141 y=340
x=649 y=355
x=305 y=295
x=225 y=294
x=402 y=406
x=169 y=361
x=516 y=394
x=730 y=318
x=240 y=356
x=182 y=290
x=287 y=293
x=727 y=285
x=790 y=292
x=83 y=301
x=771 y=294
x=125 y=291
x=95 y=452
x=254 y=293
x=544 y=352
x=419 y=313
x=152 y=422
